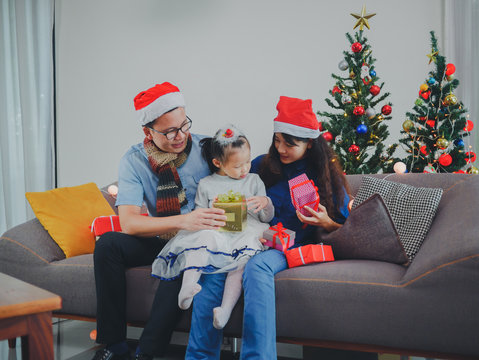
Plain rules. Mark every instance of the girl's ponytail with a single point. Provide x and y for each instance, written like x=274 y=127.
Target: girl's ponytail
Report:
x=207 y=152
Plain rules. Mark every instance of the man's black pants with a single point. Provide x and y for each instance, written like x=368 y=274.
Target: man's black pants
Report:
x=114 y=253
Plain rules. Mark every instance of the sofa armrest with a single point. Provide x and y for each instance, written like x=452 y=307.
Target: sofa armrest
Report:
x=28 y=243
x=452 y=237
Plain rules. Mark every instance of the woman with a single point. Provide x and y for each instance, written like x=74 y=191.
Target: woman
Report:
x=297 y=148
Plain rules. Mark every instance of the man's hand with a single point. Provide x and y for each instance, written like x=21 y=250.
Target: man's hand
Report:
x=257 y=203
x=204 y=219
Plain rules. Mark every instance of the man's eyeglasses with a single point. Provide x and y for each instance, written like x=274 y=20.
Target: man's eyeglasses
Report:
x=170 y=135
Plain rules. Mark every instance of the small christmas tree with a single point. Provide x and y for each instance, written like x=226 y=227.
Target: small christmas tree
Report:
x=357 y=132
x=434 y=131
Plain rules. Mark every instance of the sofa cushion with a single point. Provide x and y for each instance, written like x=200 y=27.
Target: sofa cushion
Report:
x=412 y=208
x=368 y=233
x=66 y=213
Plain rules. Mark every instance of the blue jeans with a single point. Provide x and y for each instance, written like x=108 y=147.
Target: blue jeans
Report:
x=259 y=320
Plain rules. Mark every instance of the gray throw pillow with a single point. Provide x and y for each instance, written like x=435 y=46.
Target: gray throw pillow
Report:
x=368 y=233
x=412 y=208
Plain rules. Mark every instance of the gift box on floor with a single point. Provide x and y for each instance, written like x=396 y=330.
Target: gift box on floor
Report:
x=234 y=205
x=103 y=224
x=309 y=254
x=275 y=234
x=303 y=193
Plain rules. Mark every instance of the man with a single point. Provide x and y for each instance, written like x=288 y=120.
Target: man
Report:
x=163 y=172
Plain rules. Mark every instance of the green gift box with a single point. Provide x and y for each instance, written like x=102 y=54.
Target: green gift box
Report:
x=234 y=205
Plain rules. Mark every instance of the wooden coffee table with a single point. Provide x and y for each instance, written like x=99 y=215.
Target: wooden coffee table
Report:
x=26 y=312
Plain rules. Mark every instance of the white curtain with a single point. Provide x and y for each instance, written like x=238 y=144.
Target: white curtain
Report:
x=26 y=105
x=461 y=25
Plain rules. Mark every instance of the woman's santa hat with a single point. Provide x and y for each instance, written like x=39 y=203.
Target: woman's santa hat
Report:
x=156 y=101
x=296 y=118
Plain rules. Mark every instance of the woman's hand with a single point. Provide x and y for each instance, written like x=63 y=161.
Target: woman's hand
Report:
x=257 y=203
x=318 y=218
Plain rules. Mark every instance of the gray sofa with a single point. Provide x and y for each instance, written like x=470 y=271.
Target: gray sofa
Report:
x=430 y=308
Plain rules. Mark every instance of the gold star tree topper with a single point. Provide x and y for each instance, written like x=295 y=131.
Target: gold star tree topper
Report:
x=432 y=56
x=362 y=19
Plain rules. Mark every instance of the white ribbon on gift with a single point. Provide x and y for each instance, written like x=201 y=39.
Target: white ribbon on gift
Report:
x=111 y=222
x=301 y=253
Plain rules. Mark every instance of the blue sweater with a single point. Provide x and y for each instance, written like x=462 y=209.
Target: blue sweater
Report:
x=284 y=210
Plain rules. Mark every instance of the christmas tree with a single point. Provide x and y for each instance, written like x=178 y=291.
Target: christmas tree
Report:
x=357 y=131
x=435 y=130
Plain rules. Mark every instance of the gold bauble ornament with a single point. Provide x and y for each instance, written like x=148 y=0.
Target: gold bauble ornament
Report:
x=450 y=99
x=380 y=117
x=407 y=125
x=354 y=95
x=472 y=170
x=442 y=143
x=352 y=75
x=423 y=87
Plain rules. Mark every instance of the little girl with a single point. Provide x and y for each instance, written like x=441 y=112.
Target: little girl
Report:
x=209 y=251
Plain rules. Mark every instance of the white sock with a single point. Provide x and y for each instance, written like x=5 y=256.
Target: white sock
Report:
x=189 y=288
x=231 y=294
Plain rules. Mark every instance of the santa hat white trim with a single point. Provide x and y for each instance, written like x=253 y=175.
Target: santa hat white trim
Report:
x=160 y=106
x=295 y=130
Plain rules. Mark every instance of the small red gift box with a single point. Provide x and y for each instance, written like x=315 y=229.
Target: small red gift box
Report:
x=309 y=254
x=278 y=235
x=103 y=224
x=303 y=193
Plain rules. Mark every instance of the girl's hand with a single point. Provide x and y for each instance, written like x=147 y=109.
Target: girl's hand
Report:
x=318 y=218
x=257 y=203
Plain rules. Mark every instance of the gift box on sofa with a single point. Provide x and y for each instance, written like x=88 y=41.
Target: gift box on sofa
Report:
x=309 y=254
x=236 y=211
x=303 y=193
x=103 y=224
x=275 y=234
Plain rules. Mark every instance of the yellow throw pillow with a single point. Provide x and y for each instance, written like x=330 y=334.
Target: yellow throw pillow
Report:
x=66 y=213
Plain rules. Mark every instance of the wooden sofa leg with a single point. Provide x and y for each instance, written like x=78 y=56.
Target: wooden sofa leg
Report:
x=12 y=343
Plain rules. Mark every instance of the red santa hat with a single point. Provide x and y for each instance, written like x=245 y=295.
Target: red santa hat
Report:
x=296 y=118
x=156 y=101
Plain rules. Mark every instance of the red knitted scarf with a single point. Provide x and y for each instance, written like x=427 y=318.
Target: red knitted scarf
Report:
x=170 y=194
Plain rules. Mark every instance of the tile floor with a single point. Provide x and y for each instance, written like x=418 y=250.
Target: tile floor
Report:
x=72 y=342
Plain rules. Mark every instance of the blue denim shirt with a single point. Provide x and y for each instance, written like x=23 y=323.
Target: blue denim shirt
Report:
x=284 y=210
x=138 y=183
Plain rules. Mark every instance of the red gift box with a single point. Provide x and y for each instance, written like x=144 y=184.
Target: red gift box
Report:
x=103 y=224
x=309 y=254
x=303 y=193
x=277 y=236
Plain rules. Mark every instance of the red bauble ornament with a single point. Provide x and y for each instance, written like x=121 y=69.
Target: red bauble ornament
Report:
x=353 y=149
x=327 y=136
x=424 y=150
x=386 y=109
x=459 y=172
x=336 y=90
x=450 y=69
x=358 y=111
x=356 y=47
x=423 y=118
x=445 y=160
x=374 y=90
x=469 y=126
x=425 y=94
x=431 y=123
x=470 y=157
x=320 y=126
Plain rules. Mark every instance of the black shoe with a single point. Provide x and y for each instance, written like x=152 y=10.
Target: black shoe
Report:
x=105 y=354
x=143 y=356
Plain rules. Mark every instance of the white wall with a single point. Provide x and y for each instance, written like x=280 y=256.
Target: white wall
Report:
x=231 y=59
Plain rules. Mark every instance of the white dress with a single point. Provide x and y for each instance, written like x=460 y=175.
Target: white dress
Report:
x=212 y=251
